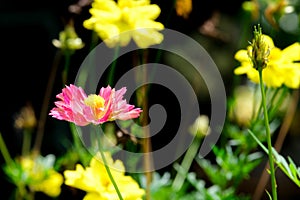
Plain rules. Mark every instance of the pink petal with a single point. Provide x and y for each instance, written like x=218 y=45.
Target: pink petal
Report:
x=120 y=109
x=71 y=105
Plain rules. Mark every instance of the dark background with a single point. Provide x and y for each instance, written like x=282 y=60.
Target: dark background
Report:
x=27 y=54
x=26 y=32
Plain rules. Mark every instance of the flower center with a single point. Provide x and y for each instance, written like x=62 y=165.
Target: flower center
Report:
x=94 y=101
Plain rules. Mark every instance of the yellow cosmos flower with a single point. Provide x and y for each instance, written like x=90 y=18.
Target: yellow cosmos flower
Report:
x=37 y=173
x=282 y=66
x=96 y=182
x=117 y=22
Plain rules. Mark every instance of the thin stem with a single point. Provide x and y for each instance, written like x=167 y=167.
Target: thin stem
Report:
x=75 y=135
x=143 y=101
x=279 y=102
x=26 y=142
x=271 y=161
x=290 y=113
x=255 y=111
x=186 y=163
x=94 y=40
x=44 y=109
x=106 y=166
x=113 y=67
x=4 y=151
x=65 y=71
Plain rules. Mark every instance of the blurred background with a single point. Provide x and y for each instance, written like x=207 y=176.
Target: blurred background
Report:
x=27 y=29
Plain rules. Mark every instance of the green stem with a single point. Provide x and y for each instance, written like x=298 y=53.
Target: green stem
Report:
x=255 y=111
x=258 y=141
x=271 y=161
x=4 y=151
x=94 y=40
x=75 y=135
x=65 y=72
x=26 y=142
x=113 y=67
x=107 y=167
x=274 y=108
x=186 y=163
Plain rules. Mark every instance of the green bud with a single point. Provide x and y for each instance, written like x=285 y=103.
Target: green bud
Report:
x=260 y=50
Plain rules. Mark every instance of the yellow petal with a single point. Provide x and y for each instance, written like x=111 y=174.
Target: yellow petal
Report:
x=272 y=78
x=89 y=23
x=92 y=196
x=252 y=74
x=106 y=16
x=105 y=5
x=132 y=3
x=107 y=30
x=147 y=37
x=77 y=178
x=148 y=24
x=243 y=69
x=242 y=56
x=268 y=40
x=150 y=12
x=292 y=52
x=50 y=186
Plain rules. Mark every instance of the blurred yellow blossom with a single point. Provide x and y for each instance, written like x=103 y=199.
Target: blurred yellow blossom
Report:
x=200 y=127
x=26 y=118
x=183 y=7
x=117 y=22
x=252 y=7
x=245 y=105
x=50 y=186
x=36 y=173
x=96 y=182
x=282 y=67
x=41 y=175
x=68 y=39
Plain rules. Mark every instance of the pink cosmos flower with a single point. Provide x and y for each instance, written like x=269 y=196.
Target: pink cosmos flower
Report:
x=77 y=107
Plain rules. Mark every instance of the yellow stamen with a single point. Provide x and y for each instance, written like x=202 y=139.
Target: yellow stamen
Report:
x=94 y=101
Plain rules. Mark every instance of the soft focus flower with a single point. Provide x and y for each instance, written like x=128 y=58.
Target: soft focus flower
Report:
x=252 y=7
x=282 y=66
x=68 y=39
x=274 y=11
x=183 y=7
x=96 y=182
x=117 y=23
x=75 y=106
x=26 y=118
x=245 y=105
x=37 y=173
x=200 y=127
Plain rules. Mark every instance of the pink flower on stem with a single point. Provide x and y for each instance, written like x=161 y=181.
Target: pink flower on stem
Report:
x=82 y=109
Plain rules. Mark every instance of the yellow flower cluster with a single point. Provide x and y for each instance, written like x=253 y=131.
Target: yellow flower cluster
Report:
x=282 y=66
x=96 y=182
x=40 y=176
x=116 y=23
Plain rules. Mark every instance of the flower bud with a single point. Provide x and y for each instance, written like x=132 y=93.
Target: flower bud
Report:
x=259 y=51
